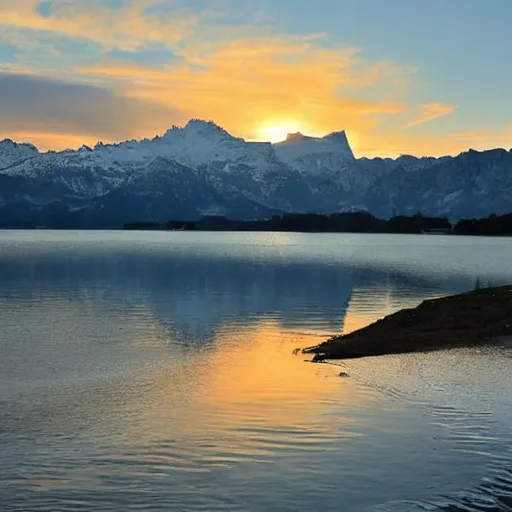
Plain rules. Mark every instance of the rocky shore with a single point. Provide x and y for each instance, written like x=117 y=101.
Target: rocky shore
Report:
x=480 y=317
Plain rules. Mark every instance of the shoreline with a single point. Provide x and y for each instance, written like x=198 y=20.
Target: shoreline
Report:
x=481 y=317
x=118 y=229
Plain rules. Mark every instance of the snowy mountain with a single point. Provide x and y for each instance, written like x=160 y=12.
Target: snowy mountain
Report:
x=12 y=153
x=327 y=164
x=311 y=154
x=473 y=184
x=200 y=168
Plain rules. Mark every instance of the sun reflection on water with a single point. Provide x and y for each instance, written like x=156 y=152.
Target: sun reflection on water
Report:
x=244 y=390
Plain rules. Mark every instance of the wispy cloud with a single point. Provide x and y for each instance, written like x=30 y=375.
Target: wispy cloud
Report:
x=36 y=104
x=431 y=111
x=127 y=27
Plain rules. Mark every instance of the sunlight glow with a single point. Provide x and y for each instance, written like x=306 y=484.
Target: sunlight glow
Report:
x=278 y=133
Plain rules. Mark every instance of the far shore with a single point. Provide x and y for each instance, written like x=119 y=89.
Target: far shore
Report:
x=348 y=222
x=478 y=318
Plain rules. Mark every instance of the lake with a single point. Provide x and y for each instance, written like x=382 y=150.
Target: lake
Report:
x=154 y=371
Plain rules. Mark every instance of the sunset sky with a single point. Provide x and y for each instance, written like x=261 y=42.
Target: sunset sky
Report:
x=400 y=76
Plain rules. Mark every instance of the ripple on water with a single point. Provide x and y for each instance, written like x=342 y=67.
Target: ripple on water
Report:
x=155 y=372
x=468 y=407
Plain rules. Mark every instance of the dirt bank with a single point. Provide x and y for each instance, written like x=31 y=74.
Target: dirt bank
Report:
x=479 y=317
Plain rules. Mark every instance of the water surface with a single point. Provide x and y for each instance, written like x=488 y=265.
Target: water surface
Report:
x=154 y=371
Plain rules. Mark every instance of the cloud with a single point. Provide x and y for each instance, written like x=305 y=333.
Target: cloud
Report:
x=115 y=69
x=248 y=83
x=431 y=111
x=127 y=27
x=31 y=104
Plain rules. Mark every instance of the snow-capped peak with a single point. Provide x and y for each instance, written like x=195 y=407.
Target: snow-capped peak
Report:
x=295 y=137
x=9 y=143
x=336 y=141
x=204 y=142
x=315 y=154
x=12 y=152
x=200 y=128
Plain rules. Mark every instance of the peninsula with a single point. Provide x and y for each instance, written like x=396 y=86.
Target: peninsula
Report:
x=480 y=317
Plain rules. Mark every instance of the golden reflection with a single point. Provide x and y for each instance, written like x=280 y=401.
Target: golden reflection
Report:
x=261 y=367
x=248 y=383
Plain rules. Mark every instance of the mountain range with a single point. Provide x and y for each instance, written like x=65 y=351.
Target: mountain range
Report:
x=200 y=169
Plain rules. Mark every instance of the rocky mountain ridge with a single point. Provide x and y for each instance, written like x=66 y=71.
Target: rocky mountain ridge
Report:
x=201 y=169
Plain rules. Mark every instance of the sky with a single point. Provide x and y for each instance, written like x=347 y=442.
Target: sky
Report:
x=400 y=76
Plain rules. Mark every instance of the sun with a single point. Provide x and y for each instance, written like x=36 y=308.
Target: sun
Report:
x=277 y=133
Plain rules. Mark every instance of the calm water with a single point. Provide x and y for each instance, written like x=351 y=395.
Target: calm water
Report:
x=154 y=372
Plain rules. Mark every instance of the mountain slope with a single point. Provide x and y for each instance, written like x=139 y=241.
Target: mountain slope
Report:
x=167 y=190
x=472 y=184
x=31 y=201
